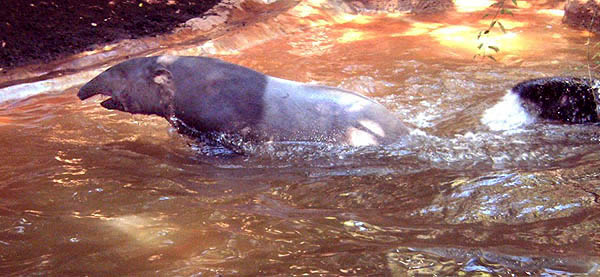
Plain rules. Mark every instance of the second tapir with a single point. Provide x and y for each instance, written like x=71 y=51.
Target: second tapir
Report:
x=210 y=95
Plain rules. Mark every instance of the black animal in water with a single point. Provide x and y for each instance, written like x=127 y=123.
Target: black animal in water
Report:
x=554 y=99
x=563 y=99
x=211 y=96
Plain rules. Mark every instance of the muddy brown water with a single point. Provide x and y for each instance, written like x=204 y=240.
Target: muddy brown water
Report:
x=86 y=191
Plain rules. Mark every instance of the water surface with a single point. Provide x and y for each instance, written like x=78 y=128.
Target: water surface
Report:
x=87 y=191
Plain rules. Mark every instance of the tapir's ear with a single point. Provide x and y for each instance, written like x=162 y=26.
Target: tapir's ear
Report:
x=162 y=76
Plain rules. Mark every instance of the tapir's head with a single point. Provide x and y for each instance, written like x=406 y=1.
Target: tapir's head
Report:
x=141 y=85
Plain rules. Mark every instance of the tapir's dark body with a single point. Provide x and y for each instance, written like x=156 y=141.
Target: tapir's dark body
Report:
x=210 y=95
x=564 y=99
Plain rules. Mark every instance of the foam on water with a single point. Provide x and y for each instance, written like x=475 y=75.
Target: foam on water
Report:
x=507 y=114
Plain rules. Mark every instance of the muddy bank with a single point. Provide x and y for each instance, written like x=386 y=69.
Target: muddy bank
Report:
x=41 y=31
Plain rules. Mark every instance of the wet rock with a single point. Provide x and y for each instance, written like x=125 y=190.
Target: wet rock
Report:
x=580 y=13
x=413 y=6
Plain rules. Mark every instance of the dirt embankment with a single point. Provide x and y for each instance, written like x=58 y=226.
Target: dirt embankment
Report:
x=33 y=31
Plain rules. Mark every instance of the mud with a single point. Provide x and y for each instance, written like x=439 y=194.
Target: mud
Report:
x=41 y=31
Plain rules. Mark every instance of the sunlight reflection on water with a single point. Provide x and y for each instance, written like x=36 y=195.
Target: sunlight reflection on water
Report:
x=91 y=191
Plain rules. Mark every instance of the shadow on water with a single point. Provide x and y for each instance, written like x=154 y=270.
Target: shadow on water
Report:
x=88 y=191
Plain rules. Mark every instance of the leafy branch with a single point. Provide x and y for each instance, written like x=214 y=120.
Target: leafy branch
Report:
x=594 y=83
x=501 y=9
x=595 y=59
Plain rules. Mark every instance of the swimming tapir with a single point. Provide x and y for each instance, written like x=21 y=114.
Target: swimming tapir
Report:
x=210 y=95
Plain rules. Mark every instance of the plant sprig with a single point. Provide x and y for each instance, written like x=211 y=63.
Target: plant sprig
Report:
x=500 y=10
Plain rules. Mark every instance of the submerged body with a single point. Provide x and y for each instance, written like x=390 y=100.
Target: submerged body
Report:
x=210 y=95
x=555 y=99
x=564 y=99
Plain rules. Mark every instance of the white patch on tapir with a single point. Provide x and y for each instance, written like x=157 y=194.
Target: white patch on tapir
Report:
x=349 y=102
x=343 y=98
x=373 y=127
x=313 y=107
x=507 y=114
x=273 y=83
x=355 y=107
x=356 y=137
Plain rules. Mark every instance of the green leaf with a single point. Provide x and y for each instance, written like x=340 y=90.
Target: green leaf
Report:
x=501 y=27
x=479 y=35
x=480 y=45
x=495 y=48
x=507 y=11
x=486 y=32
x=492 y=24
x=514 y=2
x=492 y=58
x=485 y=15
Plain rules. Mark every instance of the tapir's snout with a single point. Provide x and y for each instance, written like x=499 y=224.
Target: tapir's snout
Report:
x=101 y=85
x=96 y=86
